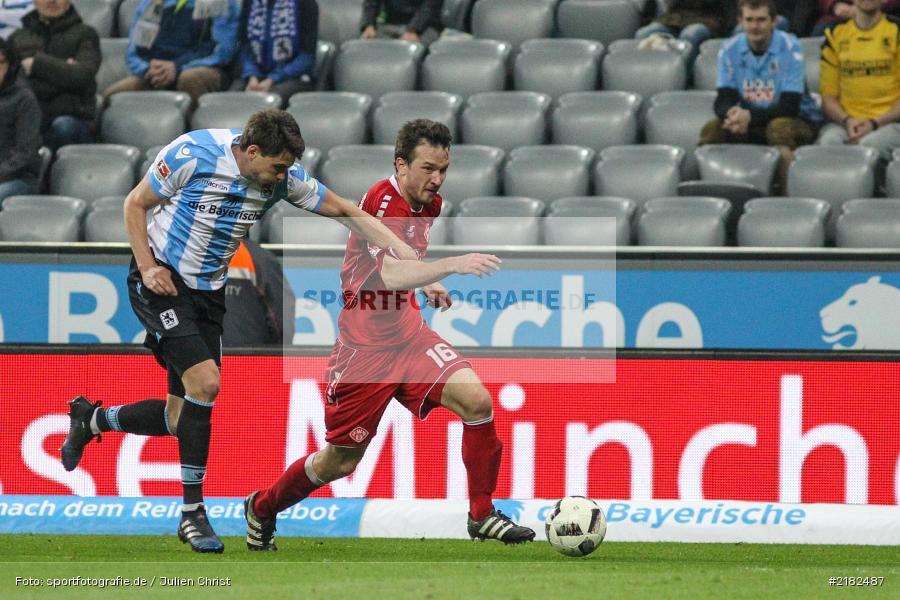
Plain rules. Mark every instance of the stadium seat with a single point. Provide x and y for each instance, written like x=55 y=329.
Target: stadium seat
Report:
x=605 y=21
x=439 y=234
x=706 y=70
x=833 y=173
x=38 y=224
x=89 y=175
x=339 y=20
x=106 y=202
x=46 y=156
x=466 y=66
x=376 y=67
x=892 y=176
x=454 y=14
x=329 y=119
x=506 y=119
x=310 y=161
x=812 y=52
x=644 y=72
x=230 y=110
x=149 y=156
x=396 y=108
x=712 y=46
x=143 y=119
x=783 y=222
x=683 y=47
x=112 y=64
x=596 y=120
x=513 y=21
x=869 y=228
x=589 y=221
x=62 y=204
x=548 y=172
x=474 y=171
x=99 y=14
x=871 y=205
x=738 y=194
x=683 y=221
x=499 y=220
x=291 y=225
x=638 y=172
x=676 y=119
x=105 y=225
x=130 y=153
x=351 y=171
x=738 y=163
x=558 y=66
x=125 y=16
x=322 y=72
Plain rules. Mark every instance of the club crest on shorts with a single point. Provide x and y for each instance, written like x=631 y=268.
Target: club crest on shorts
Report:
x=168 y=318
x=358 y=434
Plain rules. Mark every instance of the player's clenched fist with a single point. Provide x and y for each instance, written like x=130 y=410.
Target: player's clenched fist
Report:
x=159 y=281
x=477 y=264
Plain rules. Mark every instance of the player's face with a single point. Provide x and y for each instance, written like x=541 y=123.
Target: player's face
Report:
x=759 y=25
x=424 y=175
x=267 y=170
x=50 y=9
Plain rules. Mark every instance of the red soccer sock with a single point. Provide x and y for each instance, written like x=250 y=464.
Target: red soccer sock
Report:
x=481 y=451
x=293 y=486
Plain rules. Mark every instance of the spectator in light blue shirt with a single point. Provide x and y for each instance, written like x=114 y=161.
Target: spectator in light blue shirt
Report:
x=762 y=96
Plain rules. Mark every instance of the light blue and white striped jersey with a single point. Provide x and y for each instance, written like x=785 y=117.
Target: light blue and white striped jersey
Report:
x=208 y=206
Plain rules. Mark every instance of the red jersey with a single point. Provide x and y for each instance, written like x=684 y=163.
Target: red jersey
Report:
x=374 y=316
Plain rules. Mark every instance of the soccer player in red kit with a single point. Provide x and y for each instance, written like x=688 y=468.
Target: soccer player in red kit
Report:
x=385 y=350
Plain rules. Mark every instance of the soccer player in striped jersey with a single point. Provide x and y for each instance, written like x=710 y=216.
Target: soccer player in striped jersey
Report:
x=386 y=351
x=203 y=192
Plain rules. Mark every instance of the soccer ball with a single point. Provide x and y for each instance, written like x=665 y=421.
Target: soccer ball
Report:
x=575 y=526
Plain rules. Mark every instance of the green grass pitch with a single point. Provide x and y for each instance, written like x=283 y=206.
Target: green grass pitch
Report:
x=389 y=569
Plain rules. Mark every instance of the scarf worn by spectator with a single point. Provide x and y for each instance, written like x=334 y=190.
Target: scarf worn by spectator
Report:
x=273 y=36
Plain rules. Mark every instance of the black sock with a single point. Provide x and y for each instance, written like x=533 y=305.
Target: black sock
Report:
x=147 y=417
x=193 y=445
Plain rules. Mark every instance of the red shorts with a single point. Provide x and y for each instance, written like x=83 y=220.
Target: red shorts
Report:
x=361 y=383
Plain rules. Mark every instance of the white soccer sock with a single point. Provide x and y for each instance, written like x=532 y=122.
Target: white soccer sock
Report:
x=94 y=428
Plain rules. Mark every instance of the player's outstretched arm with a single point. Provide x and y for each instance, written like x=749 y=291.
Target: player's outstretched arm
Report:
x=141 y=199
x=361 y=222
x=406 y=275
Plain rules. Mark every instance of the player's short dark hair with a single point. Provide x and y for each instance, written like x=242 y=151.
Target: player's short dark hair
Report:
x=755 y=4
x=274 y=131
x=417 y=131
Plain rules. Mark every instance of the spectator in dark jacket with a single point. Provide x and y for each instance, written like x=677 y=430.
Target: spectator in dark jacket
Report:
x=835 y=12
x=279 y=54
x=60 y=55
x=20 y=136
x=173 y=46
x=692 y=20
x=410 y=20
x=256 y=299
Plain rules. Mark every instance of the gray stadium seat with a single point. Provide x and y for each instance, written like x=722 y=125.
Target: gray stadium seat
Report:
x=291 y=225
x=676 y=119
x=683 y=47
x=871 y=205
x=99 y=14
x=125 y=16
x=548 y=172
x=466 y=66
x=738 y=163
x=325 y=53
x=596 y=119
x=892 y=176
x=311 y=159
x=149 y=156
x=105 y=225
x=638 y=172
x=454 y=13
x=112 y=65
x=38 y=224
x=107 y=202
x=682 y=221
x=506 y=119
x=783 y=222
x=351 y=171
x=736 y=193
x=474 y=171
x=339 y=20
x=603 y=21
x=706 y=70
x=397 y=108
x=558 y=66
x=499 y=220
x=644 y=72
x=376 y=67
x=46 y=156
x=514 y=21
x=89 y=175
x=869 y=229
x=812 y=51
x=329 y=119
x=589 y=221
x=811 y=206
x=143 y=119
x=63 y=204
x=230 y=110
x=130 y=153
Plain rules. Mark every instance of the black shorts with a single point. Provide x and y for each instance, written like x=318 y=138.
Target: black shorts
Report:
x=183 y=330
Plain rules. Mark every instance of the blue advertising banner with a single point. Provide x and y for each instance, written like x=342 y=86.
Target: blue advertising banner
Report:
x=808 y=309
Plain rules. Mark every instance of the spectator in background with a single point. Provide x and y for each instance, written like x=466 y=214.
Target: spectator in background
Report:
x=835 y=12
x=176 y=44
x=860 y=80
x=280 y=38
x=256 y=296
x=694 y=21
x=410 y=20
x=762 y=96
x=60 y=54
x=20 y=135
